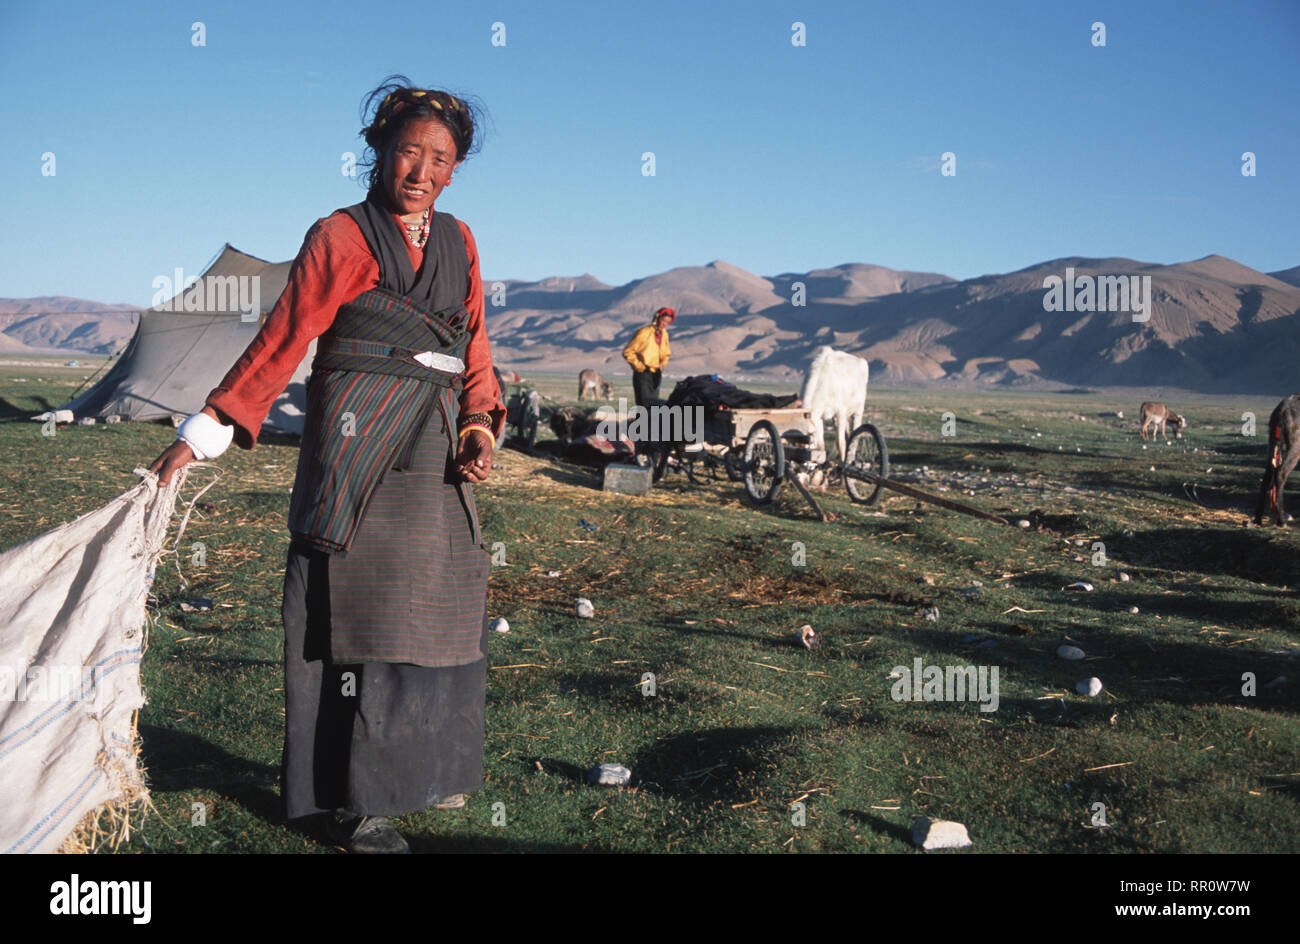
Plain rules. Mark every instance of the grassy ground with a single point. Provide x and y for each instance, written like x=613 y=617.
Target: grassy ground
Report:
x=706 y=592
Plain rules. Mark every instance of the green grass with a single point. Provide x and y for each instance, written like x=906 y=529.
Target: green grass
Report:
x=700 y=589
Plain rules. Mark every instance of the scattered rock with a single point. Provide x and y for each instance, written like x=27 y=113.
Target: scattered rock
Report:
x=196 y=605
x=808 y=637
x=1133 y=610
x=609 y=775
x=1022 y=523
x=499 y=625
x=584 y=608
x=112 y=419
x=1089 y=686
x=551 y=573
x=939 y=834
x=1123 y=577
x=1070 y=653
x=931 y=614
x=59 y=416
x=1080 y=585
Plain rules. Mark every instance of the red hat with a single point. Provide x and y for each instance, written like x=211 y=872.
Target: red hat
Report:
x=668 y=312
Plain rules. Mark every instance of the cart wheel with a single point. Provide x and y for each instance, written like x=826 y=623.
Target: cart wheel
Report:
x=699 y=470
x=764 y=463
x=866 y=453
x=734 y=465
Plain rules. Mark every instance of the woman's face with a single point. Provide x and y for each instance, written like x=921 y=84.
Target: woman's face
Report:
x=418 y=164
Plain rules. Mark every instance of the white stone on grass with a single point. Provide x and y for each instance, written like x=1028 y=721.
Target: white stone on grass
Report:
x=609 y=775
x=1072 y=653
x=1089 y=686
x=584 y=608
x=1123 y=577
x=499 y=625
x=1080 y=585
x=939 y=834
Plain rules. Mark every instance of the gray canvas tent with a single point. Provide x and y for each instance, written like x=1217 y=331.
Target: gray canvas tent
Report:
x=183 y=347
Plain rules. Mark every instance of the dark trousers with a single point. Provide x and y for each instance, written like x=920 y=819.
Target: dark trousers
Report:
x=645 y=385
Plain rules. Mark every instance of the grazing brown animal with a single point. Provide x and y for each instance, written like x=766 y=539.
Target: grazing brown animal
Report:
x=1156 y=415
x=1283 y=453
x=590 y=380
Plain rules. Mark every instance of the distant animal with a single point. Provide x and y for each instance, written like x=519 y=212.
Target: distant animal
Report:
x=590 y=380
x=1156 y=415
x=835 y=388
x=1283 y=453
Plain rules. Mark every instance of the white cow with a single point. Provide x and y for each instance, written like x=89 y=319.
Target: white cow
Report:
x=836 y=388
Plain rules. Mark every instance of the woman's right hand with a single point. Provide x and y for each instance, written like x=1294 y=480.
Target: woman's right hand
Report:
x=175 y=456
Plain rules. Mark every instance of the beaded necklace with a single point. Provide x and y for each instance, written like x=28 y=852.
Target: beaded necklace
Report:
x=418 y=233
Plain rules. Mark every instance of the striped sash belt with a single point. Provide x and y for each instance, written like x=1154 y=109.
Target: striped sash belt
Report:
x=436 y=367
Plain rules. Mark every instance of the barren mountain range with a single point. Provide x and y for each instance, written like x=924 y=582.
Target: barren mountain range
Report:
x=58 y=323
x=1215 y=325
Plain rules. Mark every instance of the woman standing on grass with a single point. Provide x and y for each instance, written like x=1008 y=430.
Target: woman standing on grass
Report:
x=385 y=589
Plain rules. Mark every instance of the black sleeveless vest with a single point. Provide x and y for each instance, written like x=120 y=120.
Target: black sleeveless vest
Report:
x=368 y=398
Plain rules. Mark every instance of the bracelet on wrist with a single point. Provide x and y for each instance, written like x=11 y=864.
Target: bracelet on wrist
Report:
x=466 y=429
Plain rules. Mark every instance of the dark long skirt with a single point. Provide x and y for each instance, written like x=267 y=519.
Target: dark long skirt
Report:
x=380 y=738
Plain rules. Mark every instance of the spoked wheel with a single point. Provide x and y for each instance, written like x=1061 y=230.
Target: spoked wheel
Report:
x=734 y=465
x=701 y=471
x=867 y=454
x=764 y=464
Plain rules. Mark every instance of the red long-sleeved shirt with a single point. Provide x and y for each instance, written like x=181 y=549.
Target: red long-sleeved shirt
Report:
x=333 y=267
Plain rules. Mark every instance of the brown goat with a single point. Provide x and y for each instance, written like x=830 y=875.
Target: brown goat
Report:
x=1283 y=453
x=1155 y=415
x=591 y=380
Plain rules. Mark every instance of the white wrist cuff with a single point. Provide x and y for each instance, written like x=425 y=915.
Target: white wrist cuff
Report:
x=205 y=436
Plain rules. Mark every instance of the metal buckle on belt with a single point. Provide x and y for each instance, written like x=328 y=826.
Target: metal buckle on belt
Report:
x=443 y=362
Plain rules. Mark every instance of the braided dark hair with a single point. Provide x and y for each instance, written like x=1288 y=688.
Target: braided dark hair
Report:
x=396 y=101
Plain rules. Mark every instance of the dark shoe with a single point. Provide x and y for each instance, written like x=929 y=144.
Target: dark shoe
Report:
x=454 y=802
x=365 y=835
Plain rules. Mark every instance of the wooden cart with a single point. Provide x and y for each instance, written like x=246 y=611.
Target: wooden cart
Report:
x=766 y=448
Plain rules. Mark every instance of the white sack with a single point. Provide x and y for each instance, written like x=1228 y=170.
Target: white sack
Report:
x=72 y=629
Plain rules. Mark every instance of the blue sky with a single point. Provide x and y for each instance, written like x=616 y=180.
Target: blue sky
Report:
x=773 y=157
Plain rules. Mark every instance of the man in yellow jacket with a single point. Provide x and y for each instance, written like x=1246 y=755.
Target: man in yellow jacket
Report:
x=648 y=354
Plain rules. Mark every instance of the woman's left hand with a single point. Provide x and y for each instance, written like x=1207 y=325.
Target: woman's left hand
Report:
x=474 y=460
